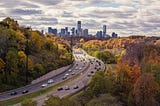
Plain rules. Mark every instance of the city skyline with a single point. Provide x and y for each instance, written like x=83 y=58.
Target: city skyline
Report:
x=124 y=17
x=77 y=31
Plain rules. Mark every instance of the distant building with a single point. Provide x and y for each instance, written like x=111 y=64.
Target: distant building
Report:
x=66 y=30
x=114 y=35
x=104 y=30
x=79 y=30
x=85 y=32
x=62 y=32
x=52 y=31
x=99 y=34
x=73 y=31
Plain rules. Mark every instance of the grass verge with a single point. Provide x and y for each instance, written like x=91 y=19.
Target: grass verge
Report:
x=19 y=99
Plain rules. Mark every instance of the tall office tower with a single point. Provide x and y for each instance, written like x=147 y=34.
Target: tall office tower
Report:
x=62 y=32
x=54 y=31
x=49 y=29
x=114 y=35
x=79 y=31
x=99 y=34
x=104 y=30
x=85 y=32
x=73 y=31
x=66 y=30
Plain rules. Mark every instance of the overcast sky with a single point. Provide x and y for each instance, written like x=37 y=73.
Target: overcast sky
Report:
x=124 y=17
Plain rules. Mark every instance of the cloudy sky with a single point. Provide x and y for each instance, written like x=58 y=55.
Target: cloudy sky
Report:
x=124 y=17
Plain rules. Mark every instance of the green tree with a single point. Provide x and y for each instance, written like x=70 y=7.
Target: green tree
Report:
x=98 y=83
x=12 y=64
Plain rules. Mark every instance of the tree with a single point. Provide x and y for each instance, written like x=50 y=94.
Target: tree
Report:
x=12 y=64
x=145 y=90
x=98 y=83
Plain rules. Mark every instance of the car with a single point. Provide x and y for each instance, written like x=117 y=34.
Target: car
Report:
x=65 y=77
x=44 y=85
x=72 y=73
x=89 y=74
x=25 y=91
x=67 y=88
x=80 y=68
x=50 y=81
x=13 y=93
x=76 y=68
x=75 y=87
x=69 y=70
x=67 y=74
x=92 y=72
x=59 y=89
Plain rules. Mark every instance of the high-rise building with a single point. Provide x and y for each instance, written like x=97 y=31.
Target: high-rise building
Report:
x=114 y=35
x=104 y=30
x=49 y=29
x=85 y=32
x=99 y=34
x=66 y=30
x=63 y=32
x=52 y=31
x=79 y=30
x=73 y=31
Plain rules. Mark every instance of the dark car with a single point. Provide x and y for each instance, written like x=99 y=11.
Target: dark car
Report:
x=14 y=93
x=92 y=72
x=65 y=77
x=59 y=89
x=25 y=91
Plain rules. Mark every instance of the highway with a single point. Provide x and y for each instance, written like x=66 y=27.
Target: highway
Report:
x=83 y=65
x=81 y=81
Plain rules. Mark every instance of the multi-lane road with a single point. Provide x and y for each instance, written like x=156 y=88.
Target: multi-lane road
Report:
x=84 y=65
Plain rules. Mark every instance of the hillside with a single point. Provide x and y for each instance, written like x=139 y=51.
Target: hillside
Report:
x=45 y=53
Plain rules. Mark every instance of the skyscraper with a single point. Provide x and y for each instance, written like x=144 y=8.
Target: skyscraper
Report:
x=52 y=31
x=85 y=32
x=66 y=30
x=104 y=30
x=73 y=31
x=79 y=30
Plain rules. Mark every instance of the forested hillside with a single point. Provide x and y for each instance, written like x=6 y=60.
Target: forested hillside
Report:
x=45 y=53
x=135 y=80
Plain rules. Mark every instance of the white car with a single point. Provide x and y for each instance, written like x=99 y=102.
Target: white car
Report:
x=50 y=81
x=69 y=70
x=67 y=74
x=44 y=85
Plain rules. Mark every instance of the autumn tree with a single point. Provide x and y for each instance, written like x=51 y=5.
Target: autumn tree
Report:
x=145 y=90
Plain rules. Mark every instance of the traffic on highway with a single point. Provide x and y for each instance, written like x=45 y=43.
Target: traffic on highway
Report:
x=84 y=65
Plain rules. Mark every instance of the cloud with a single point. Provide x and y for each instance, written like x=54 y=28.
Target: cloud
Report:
x=121 y=16
x=47 y=2
x=25 y=11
